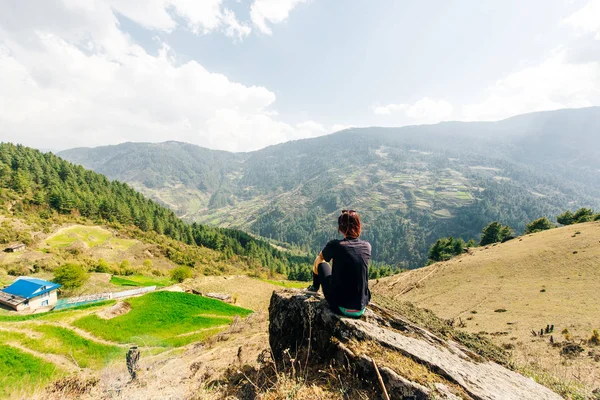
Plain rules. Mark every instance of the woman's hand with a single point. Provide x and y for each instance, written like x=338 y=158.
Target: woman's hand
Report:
x=318 y=261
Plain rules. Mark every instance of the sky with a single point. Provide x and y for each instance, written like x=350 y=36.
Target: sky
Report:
x=240 y=75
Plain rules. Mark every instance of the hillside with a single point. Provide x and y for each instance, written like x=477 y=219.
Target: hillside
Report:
x=39 y=191
x=412 y=184
x=508 y=290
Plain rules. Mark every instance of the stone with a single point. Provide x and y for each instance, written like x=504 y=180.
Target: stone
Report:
x=301 y=322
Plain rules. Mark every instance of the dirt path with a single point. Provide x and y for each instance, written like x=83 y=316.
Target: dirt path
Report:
x=201 y=330
x=78 y=331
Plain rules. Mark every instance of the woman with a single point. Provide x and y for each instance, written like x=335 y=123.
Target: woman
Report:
x=346 y=288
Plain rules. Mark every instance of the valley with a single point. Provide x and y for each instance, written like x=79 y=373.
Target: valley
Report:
x=417 y=182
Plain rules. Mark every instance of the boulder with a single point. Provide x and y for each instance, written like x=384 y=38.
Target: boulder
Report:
x=412 y=362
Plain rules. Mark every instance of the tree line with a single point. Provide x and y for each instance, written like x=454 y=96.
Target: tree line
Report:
x=447 y=247
x=42 y=183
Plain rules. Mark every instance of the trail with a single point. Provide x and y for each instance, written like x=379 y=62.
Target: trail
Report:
x=78 y=331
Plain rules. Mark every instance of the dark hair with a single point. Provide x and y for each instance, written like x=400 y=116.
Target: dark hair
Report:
x=349 y=224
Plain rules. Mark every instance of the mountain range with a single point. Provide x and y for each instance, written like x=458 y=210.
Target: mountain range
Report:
x=411 y=185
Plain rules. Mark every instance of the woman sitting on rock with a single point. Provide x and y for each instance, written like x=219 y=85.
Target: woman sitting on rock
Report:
x=346 y=288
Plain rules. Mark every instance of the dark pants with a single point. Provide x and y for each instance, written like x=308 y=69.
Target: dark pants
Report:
x=323 y=279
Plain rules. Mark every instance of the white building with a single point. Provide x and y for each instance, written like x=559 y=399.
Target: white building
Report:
x=27 y=293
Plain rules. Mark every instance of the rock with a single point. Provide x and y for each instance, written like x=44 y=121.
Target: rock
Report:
x=413 y=362
x=220 y=296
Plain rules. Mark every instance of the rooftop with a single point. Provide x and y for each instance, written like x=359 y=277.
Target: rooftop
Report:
x=27 y=288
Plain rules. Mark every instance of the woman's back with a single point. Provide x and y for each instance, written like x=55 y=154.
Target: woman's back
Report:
x=350 y=280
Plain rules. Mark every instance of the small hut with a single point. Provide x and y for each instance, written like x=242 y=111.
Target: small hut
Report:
x=15 y=247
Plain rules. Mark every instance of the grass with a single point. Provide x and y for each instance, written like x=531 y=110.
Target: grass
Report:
x=157 y=318
x=140 y=280
x=22 y=373
x=509 y=276
x=122 y=244
x=90 y=235
x=64 y=342
x=568 y=390
x=52 y=315
x=287 y=284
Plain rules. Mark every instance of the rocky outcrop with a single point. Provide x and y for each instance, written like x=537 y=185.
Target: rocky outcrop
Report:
x=412 y=362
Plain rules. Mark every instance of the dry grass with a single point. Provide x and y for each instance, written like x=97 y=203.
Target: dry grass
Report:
x=550 y=278
x=402 y=365
x=251 y=293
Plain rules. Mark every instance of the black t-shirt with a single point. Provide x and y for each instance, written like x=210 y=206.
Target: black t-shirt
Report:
x=350 y=272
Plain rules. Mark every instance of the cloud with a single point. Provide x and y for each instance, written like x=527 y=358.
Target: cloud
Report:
x=70 y=77
x=234 y=28
x=425 y=110
x=554 y=84
x=263 y=12
x=587 y=18
x=200 y=17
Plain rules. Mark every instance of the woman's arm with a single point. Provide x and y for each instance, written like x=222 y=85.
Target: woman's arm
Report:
x=318 y=261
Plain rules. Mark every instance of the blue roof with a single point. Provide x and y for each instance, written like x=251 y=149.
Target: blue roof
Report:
x=29 y=288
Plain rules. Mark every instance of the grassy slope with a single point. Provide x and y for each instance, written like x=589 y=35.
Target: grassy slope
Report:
x=19 y=371
x=139 y=280
x=76 y=339
x=546 y=278
x=160 y=318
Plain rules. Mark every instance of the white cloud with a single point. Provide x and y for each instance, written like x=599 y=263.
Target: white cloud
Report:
x=556 y=83
x=234 y=28
x=340 y=127
x=201 y=17
x=425 y=110
x=70 y=77
x=587 y=18
x=263 y=12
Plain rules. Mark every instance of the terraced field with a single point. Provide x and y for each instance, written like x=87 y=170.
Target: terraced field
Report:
x=36 y=349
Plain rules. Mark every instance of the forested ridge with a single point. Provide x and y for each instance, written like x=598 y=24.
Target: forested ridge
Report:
x=411 y=185
x=46 y=185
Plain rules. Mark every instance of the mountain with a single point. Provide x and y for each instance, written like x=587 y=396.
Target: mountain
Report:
x=509 y=290
x=411 y=184
x=45 y=190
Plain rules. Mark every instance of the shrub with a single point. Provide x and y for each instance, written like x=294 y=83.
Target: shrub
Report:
x=102 y=266
x=19 y=270
x=540 y=224
x=71 y=276
x=581 y=215
x=180 y=274
x=446 y=248
x=495 y=232
x=594 y=340
x=147 y=264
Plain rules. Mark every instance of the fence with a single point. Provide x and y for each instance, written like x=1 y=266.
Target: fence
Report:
x=95 y=298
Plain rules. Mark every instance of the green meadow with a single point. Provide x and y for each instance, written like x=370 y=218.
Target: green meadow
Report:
x=40 y=348
x=19 y=372
x=140 y=280
x=162 y=319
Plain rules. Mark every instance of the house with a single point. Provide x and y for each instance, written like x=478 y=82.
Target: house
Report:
x=27 y=293
x=13 y=248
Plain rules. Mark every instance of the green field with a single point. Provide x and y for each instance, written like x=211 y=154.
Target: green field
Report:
x=91 y=236
x=140 y=280
x=19 y=371
x=157 y=321
x=52 y=339
x=53 y=315
x=163 y=319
